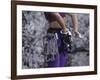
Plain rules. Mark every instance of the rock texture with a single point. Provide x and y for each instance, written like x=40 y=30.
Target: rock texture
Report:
x=33 y=36
x=83 y=24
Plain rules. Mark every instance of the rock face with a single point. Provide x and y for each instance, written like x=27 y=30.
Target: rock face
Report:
x=34 y=27
x=33 y=35
x=83 y=24
x=80 y=46
x=78 y=59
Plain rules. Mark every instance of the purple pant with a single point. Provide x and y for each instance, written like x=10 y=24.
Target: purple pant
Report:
x=60 y=58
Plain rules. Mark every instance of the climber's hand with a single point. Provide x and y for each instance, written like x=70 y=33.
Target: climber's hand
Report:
x=77 y=34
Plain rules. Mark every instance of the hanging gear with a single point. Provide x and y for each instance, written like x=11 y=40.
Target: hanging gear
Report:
x=67 y=39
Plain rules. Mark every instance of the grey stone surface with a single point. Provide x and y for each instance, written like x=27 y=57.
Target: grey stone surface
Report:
x=78 y=59
x=33 y=36
x=83 y=24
